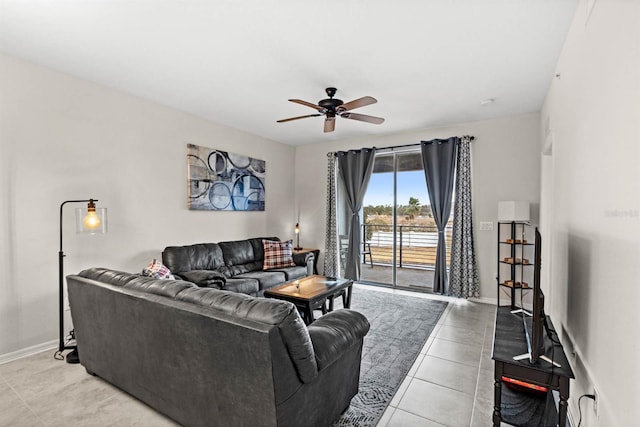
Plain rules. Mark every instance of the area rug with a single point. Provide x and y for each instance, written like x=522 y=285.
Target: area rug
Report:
x=400 y=325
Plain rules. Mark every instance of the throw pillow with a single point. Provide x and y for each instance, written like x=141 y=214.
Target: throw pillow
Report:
x=205 y=278
x=157 y=270
x=278 y=254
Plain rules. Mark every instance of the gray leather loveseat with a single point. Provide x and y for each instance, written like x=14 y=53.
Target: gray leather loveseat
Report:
x=240 y=262
x=208 y=357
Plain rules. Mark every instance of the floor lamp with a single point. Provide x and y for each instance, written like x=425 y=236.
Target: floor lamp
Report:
x=91 y=220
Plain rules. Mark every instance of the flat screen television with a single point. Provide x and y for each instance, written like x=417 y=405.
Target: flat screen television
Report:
x=538 y=317
x=534 y=322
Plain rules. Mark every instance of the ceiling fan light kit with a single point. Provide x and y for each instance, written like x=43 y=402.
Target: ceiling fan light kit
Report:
x=333 y=107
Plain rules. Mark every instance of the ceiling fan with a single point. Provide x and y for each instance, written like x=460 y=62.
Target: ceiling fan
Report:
x=332 y=107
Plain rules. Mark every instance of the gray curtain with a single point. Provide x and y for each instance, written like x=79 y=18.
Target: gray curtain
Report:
x=464 y=281
x=355 y=168
x=331 y=235
x=439 y=161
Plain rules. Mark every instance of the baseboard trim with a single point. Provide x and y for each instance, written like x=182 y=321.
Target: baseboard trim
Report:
x=485 y=300
x=19 y=354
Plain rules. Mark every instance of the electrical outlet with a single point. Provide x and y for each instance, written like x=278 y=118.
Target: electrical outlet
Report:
x=596 y=401
x=486 y=226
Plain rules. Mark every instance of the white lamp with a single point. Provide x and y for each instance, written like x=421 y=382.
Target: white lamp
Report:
x=513 y=211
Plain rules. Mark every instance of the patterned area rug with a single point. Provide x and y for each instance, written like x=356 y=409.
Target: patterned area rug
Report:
x=400 y=325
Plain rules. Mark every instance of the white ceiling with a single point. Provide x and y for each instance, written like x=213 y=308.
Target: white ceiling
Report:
x=236 y=62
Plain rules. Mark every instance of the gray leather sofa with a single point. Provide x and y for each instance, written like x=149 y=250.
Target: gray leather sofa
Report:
x=239 y=261
x=208 y=357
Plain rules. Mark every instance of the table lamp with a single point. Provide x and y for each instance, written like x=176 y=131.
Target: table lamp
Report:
x=297 y=231
x=517 y=211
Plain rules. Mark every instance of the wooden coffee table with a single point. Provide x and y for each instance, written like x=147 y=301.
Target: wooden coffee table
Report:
x=312 y=292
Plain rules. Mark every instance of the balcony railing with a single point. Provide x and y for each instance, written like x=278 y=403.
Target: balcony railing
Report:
x=416 y=244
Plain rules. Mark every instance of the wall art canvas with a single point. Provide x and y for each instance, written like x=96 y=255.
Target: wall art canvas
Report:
x=222 y=181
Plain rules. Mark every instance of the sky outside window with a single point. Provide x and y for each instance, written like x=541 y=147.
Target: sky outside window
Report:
x=410 y=184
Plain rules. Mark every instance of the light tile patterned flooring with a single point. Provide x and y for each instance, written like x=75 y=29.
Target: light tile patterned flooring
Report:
x=450 y=384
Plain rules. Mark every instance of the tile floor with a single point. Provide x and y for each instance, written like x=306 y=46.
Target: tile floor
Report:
x=450 y=383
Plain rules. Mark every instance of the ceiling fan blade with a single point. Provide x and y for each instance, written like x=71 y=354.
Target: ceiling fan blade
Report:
x=308 y=104
x=299 y=117
x=329 y=124
x=363 y=118
x=356 y=103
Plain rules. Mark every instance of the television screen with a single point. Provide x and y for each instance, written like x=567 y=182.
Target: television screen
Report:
x=536 y=333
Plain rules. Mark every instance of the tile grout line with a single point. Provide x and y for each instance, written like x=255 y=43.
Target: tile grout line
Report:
x=475 y=394
x=26 y=405
x=410 y=377
x=420 y=416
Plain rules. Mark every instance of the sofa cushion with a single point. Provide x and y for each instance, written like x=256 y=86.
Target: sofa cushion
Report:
x=167 y=288
x=201 y=256
x=205 y=278
x=237 y=252
x=243 y=285
x=292 y=273
x=278 y=254
x=112 y=277
x=266 y=279
x=275 y=312
x=239 y=257
x=258 y=247
x=334 y=333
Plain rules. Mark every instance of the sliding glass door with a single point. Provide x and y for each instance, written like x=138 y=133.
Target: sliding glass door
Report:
x=399 y=233
x=379 y=220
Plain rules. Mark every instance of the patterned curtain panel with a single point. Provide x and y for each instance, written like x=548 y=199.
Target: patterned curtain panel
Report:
x=331 y=234
x=463 y=275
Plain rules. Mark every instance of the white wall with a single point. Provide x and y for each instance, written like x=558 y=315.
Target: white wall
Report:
x=592 y=114
x=505 y=157
x=63 y=138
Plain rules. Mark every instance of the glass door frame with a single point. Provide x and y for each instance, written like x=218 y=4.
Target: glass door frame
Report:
x=394 y=223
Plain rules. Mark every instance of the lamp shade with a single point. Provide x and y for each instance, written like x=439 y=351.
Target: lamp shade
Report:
x=513 y=211
x=91 y=220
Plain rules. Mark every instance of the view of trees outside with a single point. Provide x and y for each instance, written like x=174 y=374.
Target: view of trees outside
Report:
x=399 y=178
x=415 y=222
x=413 y=213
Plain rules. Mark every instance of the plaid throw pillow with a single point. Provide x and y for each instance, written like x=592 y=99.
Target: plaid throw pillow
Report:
x=157 y=270
x=278 y=254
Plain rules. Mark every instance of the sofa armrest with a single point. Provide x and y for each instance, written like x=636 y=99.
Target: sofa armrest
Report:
x=305 y=259
x=335 y=333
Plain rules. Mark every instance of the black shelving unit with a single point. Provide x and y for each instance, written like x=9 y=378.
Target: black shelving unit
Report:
x=515 y=260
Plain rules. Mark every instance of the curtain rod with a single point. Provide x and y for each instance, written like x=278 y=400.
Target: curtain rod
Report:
x=393 y=147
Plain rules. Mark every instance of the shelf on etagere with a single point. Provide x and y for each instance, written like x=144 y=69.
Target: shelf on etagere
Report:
x=517 y=261
x=517 y=285
x=514 y=259
x=517 y=242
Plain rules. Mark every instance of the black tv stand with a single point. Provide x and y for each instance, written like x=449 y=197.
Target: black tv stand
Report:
x=509 y=341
